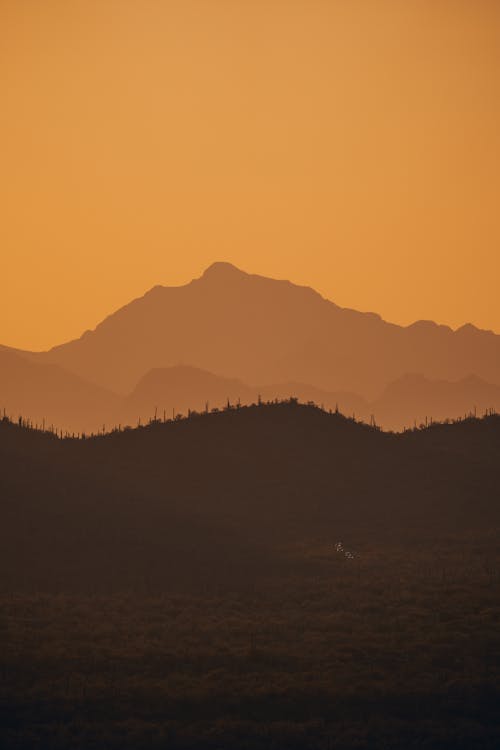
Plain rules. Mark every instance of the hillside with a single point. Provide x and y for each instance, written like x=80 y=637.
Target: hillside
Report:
x=49 y=394
x=267 y=576
x=180 y=389
x=239 y=486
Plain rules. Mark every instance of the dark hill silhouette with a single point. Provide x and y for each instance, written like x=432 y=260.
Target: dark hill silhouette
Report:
x=221 y=494
x=266 y=331
x=51 y=394
x=412 y=399
x=181 y=585
x=183 y=388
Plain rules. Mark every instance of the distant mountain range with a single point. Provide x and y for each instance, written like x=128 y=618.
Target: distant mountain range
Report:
x=177 y=348
x=50 y=395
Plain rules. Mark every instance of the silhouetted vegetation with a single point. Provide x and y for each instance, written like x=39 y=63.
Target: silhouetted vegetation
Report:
x=186 y=584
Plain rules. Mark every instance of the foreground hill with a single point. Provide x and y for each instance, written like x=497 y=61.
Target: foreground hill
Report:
x=263 y=577
x=266 y=331
x=186 y=498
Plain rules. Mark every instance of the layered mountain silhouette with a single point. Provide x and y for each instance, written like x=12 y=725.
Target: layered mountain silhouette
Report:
x=50 y=395
x=414 y=399
x=233 y=335
x=265 y=331
x=410 y=400
x=179 y=389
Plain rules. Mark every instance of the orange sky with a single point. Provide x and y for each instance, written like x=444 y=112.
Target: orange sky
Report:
x=350 y=145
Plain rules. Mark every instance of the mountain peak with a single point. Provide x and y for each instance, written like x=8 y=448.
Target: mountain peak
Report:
x=222 y=270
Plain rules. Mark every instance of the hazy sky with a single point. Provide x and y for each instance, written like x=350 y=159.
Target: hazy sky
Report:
x=353 y=146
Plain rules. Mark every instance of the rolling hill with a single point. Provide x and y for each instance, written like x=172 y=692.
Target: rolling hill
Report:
x=234 y=487
x=266 y=576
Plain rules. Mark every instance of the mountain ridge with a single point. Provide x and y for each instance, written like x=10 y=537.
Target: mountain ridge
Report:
x=229 y=270
x=268 y=330
x=47 y=393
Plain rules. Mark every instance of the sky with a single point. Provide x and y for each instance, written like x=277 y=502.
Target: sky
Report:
x=349 y=145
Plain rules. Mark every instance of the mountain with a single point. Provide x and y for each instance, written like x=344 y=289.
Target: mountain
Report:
x=412 y=399
x=266 y=331
x=48 y=394
x=232 y=335
x=177 y=390
x=416 y=399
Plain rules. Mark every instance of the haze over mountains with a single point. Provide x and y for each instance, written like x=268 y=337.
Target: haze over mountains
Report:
x=235 y=335
x=49 y=394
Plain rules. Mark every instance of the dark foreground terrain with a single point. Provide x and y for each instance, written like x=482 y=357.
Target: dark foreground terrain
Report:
x=178 y=586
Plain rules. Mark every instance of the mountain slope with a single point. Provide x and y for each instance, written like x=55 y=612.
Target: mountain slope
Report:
x=267 y=331
x=416 y=399
x=175 y=390
x=46 y=393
